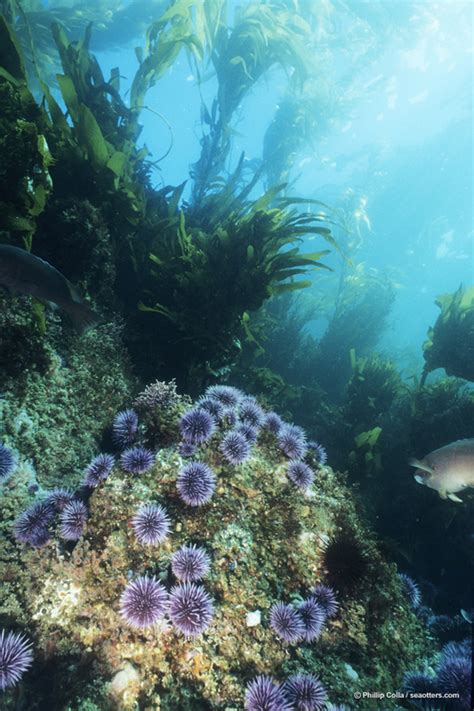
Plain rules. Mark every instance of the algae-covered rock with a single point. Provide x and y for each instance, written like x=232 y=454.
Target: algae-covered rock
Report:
x=268 y=542
x=62 y=392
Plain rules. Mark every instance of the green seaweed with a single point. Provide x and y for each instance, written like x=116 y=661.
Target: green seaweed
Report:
x=25 y=180
x=450 y=343
x=172 y=259
x=263 y=36
x=234 y=252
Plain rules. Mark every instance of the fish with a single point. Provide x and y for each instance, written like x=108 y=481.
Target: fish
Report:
x=447 y=470
x=24 y=273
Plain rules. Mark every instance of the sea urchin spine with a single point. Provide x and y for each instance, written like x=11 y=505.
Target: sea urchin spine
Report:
x=15 y=658
x=287 y=623
x=190 y=563
x=191 y=609
x=235 y=447
x=265 y=694
x=300 y=474
x=195 y=483
x=305 y=692
x=143 y=602
x=7 y=462
x=73 y=519
x=125 y=428
x=197 y=426
x=151 y=524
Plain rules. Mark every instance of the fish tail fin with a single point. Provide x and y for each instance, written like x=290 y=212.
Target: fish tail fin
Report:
x=82 y=316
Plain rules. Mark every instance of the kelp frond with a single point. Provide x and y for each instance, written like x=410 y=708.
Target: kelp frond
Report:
x=208 y=269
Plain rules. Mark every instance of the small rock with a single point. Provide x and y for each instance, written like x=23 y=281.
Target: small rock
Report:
x=351 y=672
x=125 y=682
x=253 y=618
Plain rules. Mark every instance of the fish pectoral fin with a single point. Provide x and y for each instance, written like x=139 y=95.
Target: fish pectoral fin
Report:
x=419 y=479
x=455 y=498
x=443 y=494
x=420 y=465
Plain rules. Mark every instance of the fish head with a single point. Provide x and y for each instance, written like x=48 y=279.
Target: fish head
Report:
x=424 y=472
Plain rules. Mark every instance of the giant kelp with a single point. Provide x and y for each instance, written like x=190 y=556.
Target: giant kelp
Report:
x=232 y=252
x=169 y=256
x=263 y=36
x=450 y=343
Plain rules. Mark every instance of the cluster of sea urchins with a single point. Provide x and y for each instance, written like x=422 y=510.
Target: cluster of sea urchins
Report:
x=240 y=419
x=145 y=601
x=300 y=692
x=453 y=677
x=305 y=622
x=222 y=407
x=65 y=510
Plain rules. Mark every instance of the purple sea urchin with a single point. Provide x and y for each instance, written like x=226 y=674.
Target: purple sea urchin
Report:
x=248 y=431
x=32 y=525
x=235 y=447
x=265 y=694
x=125 y=428
x=319 y=452
x=197 y=426
x=151 y=524
x=453 y=650
x=143 y=602
x=190 y=563
x=300 y=474
x=313 y=616
x=455 y=677
x=419 y=683
x=191 y=609
x=251 y=413
x=98 y=470
x=15 y=658
x=305 y=692
x=292 y=441
x=411 y=589
x=212 y=406
x=326 y=599
x=228 y=396
x=229 y=418
x=137 y=460
x=72 y=520
x=273 y=423
x=186 y=449
x=60 y=498
x=287 y=623
x=196 y=483
x=7 y=462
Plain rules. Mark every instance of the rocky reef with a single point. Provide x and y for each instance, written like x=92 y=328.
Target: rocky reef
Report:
x=259 y=533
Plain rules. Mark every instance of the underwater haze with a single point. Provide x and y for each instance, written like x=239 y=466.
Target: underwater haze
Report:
x=236 y=355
